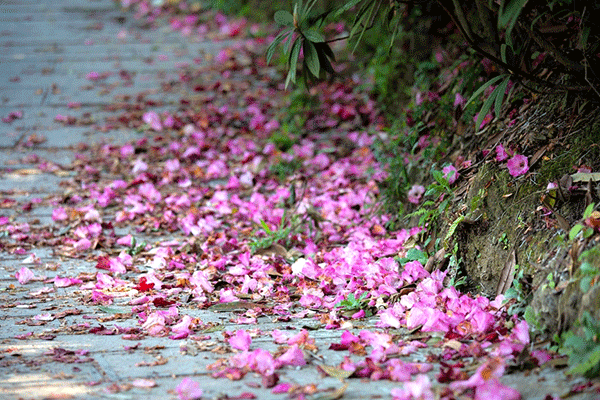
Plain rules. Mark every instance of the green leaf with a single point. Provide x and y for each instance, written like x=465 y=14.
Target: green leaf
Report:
x=345 y=7
x=311 y=58
x=583 y=38
x=496 y=97
x=285 y=18
x=588 y=211
x=325 y=49
x=500 y=96
x=293 y=62
x=414 y=254
x=113 y=310
x=575 y=231
x=585 y=283
x=313 y=35
x=483 y=87
x=439 y=177
x=308 y=9
x=362 y=21
x=508 y=16
x=588 y=233
x=503 y=53
x=265 y=227
x=278 y=39
x=452 y=229
x=509 y=13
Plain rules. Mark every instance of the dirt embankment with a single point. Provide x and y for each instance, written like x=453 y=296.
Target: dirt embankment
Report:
x=512 y=234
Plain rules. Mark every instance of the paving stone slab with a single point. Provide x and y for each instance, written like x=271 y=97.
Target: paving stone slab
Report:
x=40 y=183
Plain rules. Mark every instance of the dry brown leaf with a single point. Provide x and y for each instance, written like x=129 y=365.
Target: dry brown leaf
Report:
x=335 y=371
x=586 y=176
x=336 y=394
x=508 y=273
x=274 y=250
x=453 y=344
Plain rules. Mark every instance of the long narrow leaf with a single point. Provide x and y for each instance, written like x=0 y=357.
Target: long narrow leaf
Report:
x=309 y=8
x=276 y=42
x=485 y=108
x=510 y=13
x=365 y=25
x=500 y=97
x=293 y=62
x=311 y=58
x=345 y=7
x=508 y=17
x=360 y=16
x=483 y=87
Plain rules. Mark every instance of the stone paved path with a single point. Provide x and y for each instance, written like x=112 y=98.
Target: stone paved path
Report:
x=48 y=48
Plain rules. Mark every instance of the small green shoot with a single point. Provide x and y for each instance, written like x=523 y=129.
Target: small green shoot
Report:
x=414 y=254
x=134 y=248
x=353 y=304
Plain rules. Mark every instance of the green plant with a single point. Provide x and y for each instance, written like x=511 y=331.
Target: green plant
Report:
x=521 y=294
x=431 y=210
x=580 y=227
x=587 y=274
x=134 y=248
x=301 y=31
x=292 y=223
x=353 y=304
x=583 y=351
x=284 y=169
x=414 y=254
x=283 y=233
x=496 y=98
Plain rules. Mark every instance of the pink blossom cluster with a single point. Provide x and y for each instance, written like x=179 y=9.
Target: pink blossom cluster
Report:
x=517 y=164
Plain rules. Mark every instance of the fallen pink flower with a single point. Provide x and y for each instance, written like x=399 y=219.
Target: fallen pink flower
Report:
x=493 y=389
x=450 y=173
x=517 y=165
x=419 y=389
x=99 y=297
x=459 y=101
x=59 y=214
x=151 y=118
x=93 y=76
x=299 y=338
x=293 y=356
x=415 y=194
x=501 y=154
x=24 y=275
x=241 y=340
x=182 y=329
x=66 y=282
x=281 y=388
x=188 y=389
x=82 y=244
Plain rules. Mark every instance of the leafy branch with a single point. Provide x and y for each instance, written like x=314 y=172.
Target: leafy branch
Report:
x=301 y=33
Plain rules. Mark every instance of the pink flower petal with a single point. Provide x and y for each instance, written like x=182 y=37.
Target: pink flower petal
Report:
x=293 y=356
x=188 y=389
x=517 y=165
x=24 y=275
x=143 y=383
x=241 y=340
x=493 y=389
